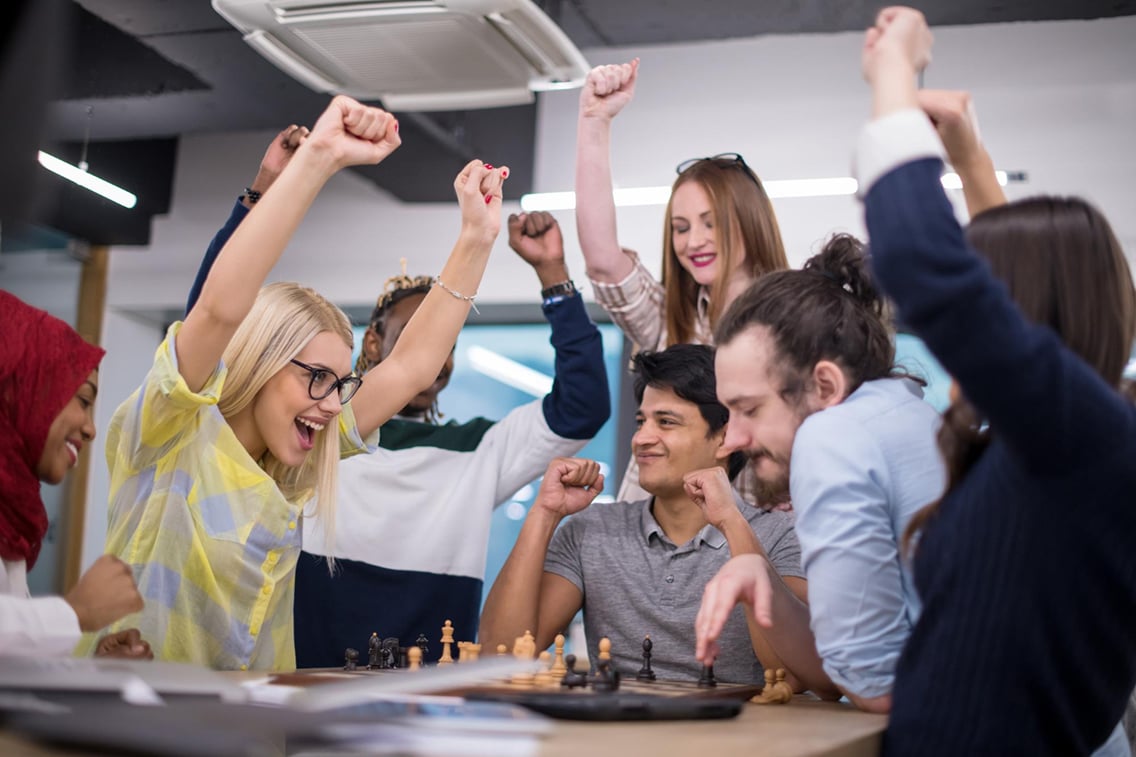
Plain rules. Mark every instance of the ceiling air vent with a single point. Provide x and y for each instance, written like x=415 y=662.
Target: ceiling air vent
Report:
x=424 y=55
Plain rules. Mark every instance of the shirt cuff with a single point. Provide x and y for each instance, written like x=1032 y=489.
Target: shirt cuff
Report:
x=889 y=142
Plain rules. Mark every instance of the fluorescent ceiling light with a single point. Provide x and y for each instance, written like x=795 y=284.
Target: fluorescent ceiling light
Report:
x=87 y=180
x=836 y=186
x=510 y=372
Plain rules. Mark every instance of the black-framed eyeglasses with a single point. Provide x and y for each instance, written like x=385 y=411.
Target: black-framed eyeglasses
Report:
x=324 y=382
x=722 y=160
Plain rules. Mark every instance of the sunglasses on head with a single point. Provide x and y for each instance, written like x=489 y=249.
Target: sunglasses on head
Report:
x=722 y=160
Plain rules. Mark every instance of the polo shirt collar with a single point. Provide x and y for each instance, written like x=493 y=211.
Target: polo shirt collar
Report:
x=708 y=535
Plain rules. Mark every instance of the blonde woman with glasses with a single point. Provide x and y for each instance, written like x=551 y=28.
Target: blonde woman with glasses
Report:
x=250 y=404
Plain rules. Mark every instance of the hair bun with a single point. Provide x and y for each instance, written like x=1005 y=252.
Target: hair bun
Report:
x=843 y=261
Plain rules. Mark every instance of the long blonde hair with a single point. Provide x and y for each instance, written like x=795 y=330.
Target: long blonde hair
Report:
x=283 y=319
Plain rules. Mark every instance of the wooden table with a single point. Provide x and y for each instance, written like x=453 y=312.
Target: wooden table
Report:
x=805 y=727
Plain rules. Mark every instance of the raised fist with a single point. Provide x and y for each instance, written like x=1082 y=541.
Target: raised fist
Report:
x=478 y=188
x=608 y=89
x=536 y=238
x=354 y=134
x=570 y=484
x=104 y=594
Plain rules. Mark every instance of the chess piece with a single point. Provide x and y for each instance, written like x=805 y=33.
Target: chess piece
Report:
x=373 y=646
x=524 y=648
x=606 y=679
x=502 y=650
x=350 y=659
x=777 y=689
x=573 y=679
x=389 y=654
x=558 y=667
x=415 y=658
x=645 y=672
x=423 y=643
x=707 y=680
x=461 y=651
x=447 y=642
x=782 y=688
x=544 y=678
x=472 y=652
x=605 y=648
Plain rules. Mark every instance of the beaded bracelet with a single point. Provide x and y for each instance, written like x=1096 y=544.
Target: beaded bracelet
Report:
x=458 y=295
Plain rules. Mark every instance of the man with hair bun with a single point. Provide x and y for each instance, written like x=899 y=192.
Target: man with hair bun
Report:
x=806 y=365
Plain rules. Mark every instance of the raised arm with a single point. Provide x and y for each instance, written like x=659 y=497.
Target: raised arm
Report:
x=606 y=91
x=348 y=133
x=953 y=116
x=579 y=402
x=525 y=597
x=1006 y=366
x=276 y=157
x=425 y=343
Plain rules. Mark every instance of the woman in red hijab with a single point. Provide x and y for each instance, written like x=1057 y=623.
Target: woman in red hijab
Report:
x=48 y=383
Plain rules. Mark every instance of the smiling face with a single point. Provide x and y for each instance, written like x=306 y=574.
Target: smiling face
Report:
x=379 y=346
x=285 y=417
x=694 y=234
x=71 y=429
x=762 y=424
x=671 y=440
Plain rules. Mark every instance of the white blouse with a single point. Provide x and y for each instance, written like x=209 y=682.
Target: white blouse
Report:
x=40 y=626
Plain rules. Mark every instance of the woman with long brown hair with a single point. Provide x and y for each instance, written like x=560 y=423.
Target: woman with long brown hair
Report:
x=1026 y=567
x=719 y=234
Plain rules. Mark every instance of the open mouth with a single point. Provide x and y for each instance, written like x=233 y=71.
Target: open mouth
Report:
x=307 y=431
x=703 y=259
x=73 y=450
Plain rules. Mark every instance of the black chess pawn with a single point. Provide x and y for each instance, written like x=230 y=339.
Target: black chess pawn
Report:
x=374 y=658
x=707 y=680
x=424 y=644
x=606 y=679
x=350 y=659
x=573 y=679
x=645 y=673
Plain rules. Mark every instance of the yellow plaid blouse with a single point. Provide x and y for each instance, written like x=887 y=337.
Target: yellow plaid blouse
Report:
x=212 y=540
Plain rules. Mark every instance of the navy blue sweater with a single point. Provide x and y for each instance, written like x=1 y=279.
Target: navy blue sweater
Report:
x=1027 y=640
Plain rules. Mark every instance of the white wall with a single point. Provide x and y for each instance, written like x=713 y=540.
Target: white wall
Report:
x=1057 y=100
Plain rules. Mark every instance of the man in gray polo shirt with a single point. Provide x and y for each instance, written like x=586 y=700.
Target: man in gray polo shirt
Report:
x=639 y=568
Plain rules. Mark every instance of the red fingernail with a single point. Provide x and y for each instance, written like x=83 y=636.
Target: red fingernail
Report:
x=504 y=173
x=489 y=166
x=396 y=125
x=488 y=199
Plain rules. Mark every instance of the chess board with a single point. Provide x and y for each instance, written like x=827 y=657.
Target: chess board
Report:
x=634 y=700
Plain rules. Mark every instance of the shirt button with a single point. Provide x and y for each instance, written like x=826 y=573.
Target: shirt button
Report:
x=266 y=590
x=292 y=525
x=670 y=579
x=244 y=667
x=254 y=630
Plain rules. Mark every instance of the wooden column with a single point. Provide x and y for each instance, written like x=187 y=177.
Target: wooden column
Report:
x=89 y=323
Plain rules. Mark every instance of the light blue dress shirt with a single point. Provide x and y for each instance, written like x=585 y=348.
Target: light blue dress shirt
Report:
x=859 y=471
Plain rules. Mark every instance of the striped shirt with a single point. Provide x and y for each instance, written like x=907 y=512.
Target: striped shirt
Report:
x=211 y=539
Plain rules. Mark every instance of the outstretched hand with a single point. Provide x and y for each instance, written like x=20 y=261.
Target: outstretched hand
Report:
x=354 y=134
x=479 y=188
x=900 y=37
x=607 y=89
x=744 y=579
x=570 y=484
x=536 y=238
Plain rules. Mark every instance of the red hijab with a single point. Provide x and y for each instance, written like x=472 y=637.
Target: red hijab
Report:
x=43 y=362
